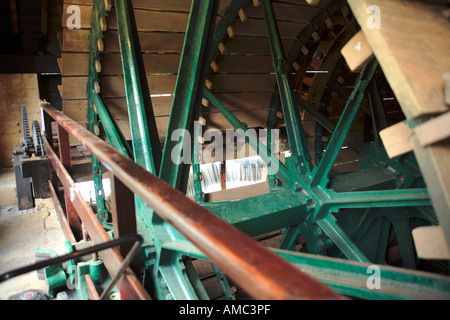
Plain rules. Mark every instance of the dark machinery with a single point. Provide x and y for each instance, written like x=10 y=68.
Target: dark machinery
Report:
x=30 y=165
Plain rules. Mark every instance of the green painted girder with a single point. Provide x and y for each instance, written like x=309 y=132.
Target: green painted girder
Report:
x=172 y=279
x=320 y=173
x=351 y=277
x=108 y=123
x=112 y=130
x=264 y=213
x=341 y=239
x=379 y=198
x=294 y=126
x=241 y=128
x=145 y=139
x=186 y=104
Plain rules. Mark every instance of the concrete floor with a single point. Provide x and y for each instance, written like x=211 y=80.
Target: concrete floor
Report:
x=21 y=232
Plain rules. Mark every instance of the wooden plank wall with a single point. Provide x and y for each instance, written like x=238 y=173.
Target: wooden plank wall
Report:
x=16 y=89
x=244 y=80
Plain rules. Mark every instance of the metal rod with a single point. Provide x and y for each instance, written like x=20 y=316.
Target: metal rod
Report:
x=238 y=255
x=137 y=239
x=128 y=259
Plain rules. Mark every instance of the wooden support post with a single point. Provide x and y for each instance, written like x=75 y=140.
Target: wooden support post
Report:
x=123 y=209
x=66 y=159
x=92 y=292
x=123 y=215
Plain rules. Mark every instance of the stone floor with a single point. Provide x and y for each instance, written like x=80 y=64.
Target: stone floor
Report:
x=21 y=232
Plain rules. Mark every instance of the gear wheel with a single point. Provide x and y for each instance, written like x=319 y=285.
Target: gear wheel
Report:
x=37 y=139
x=27 y=142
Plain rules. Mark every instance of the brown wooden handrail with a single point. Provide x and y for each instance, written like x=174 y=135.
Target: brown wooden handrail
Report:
x=260 y=272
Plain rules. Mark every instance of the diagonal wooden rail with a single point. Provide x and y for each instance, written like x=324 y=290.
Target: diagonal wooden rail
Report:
x=257 y=270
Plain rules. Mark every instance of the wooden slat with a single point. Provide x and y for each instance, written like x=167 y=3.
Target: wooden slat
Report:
x=75 y=40
x=171 y=5
x=357 y=51
x=396 y=139
x=430 y=243
x=113 y=86
x=245 y=64
x=253 y=45
x=78 y=41
x=145 y=20
x=150 y=42
x=77 y=64
x=243 y=82
x=256 y=27
x=412 y=47
x=74 y=64
x=239 y=193
x=433 y=131
x=288 y=12
x=253 y=119
x=155 y=21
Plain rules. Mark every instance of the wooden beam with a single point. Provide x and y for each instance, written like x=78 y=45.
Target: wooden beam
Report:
x=430 y=243
x=396 y=139
x=123 y=211
x=411 y=43
x=434 y=130
x=446 y=78
x=357 y=51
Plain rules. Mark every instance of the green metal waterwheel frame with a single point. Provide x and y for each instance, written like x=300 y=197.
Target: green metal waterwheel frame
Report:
x=304 y=204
